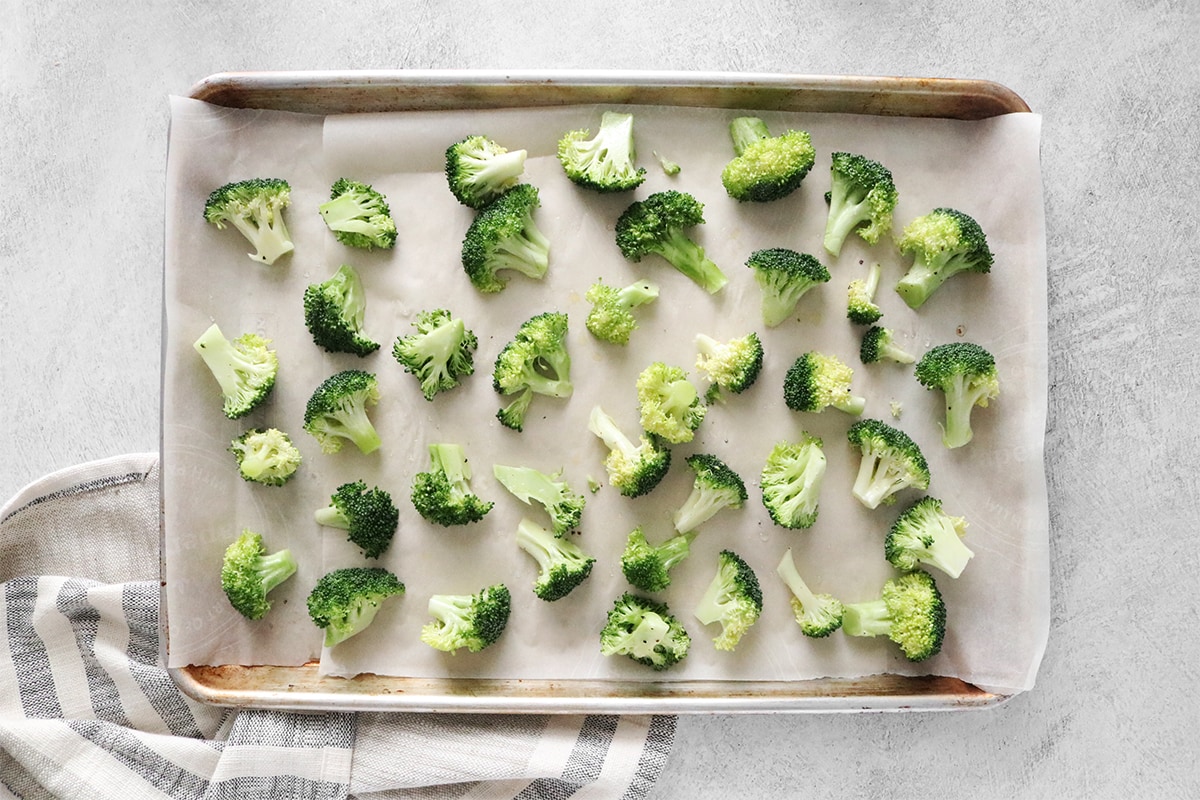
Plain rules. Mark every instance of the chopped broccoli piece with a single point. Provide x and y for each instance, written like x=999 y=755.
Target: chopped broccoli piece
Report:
x=536 y=361
x=861 y=308
x=368 y=515
x=730 y=366
x=862 y=198
x=562 y=565
x=344 y=602
x=605 y=162
x=765 y=167
x=249 y=573
x=359 y=216
x=504 y=237
x=337 y=411
x=817 y=381
x=439 y=354
x=633 y=469
x=245 y=368
x=334 y=311
x=669 y=404
x=669 y=167
x=473 y=621
x=443 y=494
x=966 y=374
x=255 y=208
x=909 y=611
x=611 y=318
x=714 y=487
x=733 y=598
x=943 y=243
x=647 y=566
x=791 y=482
x=658 y=225
x=646 y=631
x=925 y=534
x=478 y=170
x=879 y=344
x=551 y=492
x=891 y=462
x=784 y=276
x=818 y=615
x=266 y=456
x=896 y=407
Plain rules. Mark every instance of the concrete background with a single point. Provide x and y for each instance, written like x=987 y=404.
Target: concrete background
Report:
x=83 y=122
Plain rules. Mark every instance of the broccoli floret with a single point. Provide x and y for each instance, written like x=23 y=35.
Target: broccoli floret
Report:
x=478 y=170
x=862 y=198
x=337 y=411
x=669 y=404
x=551 y=492
x=925 y=534
x=817 y=381
x=344 y=602
x=731 y=366
x=765 y=167
x=440 y=354
x=255 y=208
x=611 y=318
x=504 y=237
x=891 y=462
x=733 y=598
x=909 y=611
x=473 y=621
x=714 y=487
x=249 y=573
x=605 y=162
x=647 y=566
x=443 y=494
x=879 y=344
x=861 y=308
x=943 y=243
x=645 y=631
x=818 y=615
x=966 y=374
x=536 y=361
x=784 y=276
x=791 y=481
x=562 y=565
x=334 y=311
x=368 y=515
x=633 y=469
x=266 y=456
x=658 y=225
x=669 y=167
x=245 y=368
x=359 y=216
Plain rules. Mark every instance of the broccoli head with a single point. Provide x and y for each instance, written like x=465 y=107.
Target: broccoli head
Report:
x=669 y=404
x=862 y=198
x=439 y=354
x=891 y=462
x=551 y=492
x=818 y=615
x=645 y=631
x=733 y=598
x=925 y=534
x=765 y=167
x=249 y=573
x=730 y=366
x=817 y=381
x=605 y=162
x=909 y=611
x=266 y=456
x=255 y=208
x=658 y=225
x=536 y=361
x=861 y=308
x=879 y=344
x=791 y=481
x=504 y=237
x=443 y=493
x=783 y=276
x=245 y=368
x=611 y=317
x=368 y=515
x=966 y=374
x=344 y=602
x=334 y=311
x=359 y=216
x=478 y=170
x=714 y=487
x=562 y=564
x=943 y=243
x=635 y=469
x=648 y=567
x=473 y=621
x=337 y=411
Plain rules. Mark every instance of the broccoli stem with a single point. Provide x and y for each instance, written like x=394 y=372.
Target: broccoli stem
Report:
x=745 y=131
x=872 y=484
x=497 y=169
x=270 y=240
x=870 y=618
x=527 y=254
x=275 y=568
x=922 y=280
x=331 y=517
x=799 y=589
x=688 y=257
x=841 y=223
x=960 y=400
x=353 y=420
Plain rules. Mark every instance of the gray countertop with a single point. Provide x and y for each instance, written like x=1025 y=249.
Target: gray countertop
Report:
x=83 y=104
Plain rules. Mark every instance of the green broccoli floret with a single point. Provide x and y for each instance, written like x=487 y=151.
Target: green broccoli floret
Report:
x=266 y=456
x=879 y=344
x=966 y=374
x=669 y=167
x=909 y=611
x=255 y=208
x=473 y=621
x=658 y=225
x=862 y=198
x=611 y=318
x=791 y=481
x=817 y=381
x=943 y=243
x=891 y=462
x=714 y=487
x=245 y=368
x=359 y=216
x=478 y=170
x=249 y=573
x=334 y=311
x=818 y=615
x=925 y=534
x=669 y=404
x=647 y=566
x=344 y=602
x=368 y=515
x=765 y=167
x=536 y=361
x=733 y=598
x=731 y=366
x=861 y=308
x=551 y=492
x=443 y=494
x=439 y=354
x=605 y=162
x=337 y=411
x=504 y=237
x=784 y=276
x=633 y=469
x=562 y=565
x=646 y=631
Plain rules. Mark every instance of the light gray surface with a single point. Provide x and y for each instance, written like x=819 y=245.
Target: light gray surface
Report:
x=83 y=118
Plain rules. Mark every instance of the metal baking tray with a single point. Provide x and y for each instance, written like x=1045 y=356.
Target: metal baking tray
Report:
x=320 y=92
